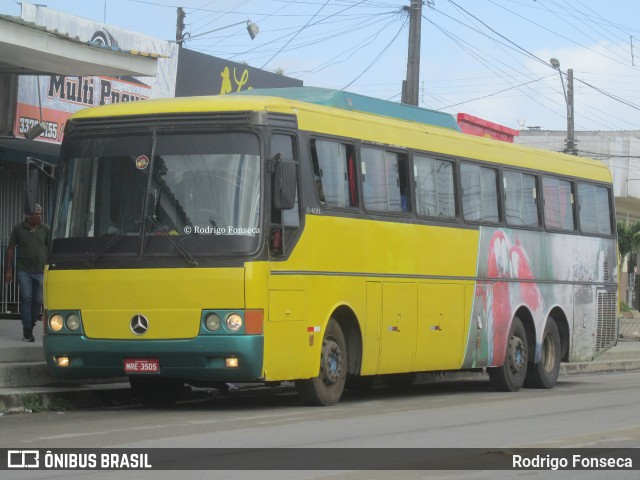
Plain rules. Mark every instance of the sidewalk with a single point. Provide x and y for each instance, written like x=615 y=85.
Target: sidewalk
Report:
x=25 y=383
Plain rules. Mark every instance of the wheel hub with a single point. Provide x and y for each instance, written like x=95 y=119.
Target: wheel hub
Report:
x=517 y=354
x=331 y=366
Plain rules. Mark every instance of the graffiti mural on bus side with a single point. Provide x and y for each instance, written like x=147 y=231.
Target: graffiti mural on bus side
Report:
x=508 y=279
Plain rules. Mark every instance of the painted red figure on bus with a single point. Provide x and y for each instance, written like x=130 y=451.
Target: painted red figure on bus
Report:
x=499 y=268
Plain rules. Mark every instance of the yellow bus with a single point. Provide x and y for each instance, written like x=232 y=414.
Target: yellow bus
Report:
x=260 y=238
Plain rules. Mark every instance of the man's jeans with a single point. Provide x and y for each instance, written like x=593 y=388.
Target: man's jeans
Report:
x=30 y=297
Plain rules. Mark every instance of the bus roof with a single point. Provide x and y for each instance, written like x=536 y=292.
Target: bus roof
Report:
x=364 y=126
x=359 y=103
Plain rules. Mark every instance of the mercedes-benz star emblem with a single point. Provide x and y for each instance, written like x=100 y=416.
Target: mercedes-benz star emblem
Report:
x=139 y=324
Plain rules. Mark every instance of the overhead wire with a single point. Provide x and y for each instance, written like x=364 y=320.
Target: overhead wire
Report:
x=377 y=56
x=296 y=34
x=507 y=71
x=349 y=53
x=473 y=51
x=582 y=29
x=529 y=54
x=553 y=32
x=314 y=38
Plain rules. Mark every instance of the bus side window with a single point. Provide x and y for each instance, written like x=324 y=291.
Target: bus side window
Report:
x=521 y=199
x=435 y=187
x=334 y=170
x=558 y=204
x=595 y=209
x=385 y=183
x=479 y=193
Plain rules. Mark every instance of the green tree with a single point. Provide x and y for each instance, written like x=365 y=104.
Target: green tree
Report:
x=628 y=239
x=628 y=243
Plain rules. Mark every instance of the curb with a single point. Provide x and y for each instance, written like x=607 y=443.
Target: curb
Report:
x=600 y=366
x=61 y=398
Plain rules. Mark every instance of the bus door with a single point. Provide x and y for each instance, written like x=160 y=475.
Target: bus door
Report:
x=441 y=326
x=398 y=326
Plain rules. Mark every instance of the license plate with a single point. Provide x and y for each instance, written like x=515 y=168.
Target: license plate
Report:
x=141 y=365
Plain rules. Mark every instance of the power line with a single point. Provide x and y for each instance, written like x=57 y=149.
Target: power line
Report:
x=531 y=55
x=496 y=93
x=377 y=57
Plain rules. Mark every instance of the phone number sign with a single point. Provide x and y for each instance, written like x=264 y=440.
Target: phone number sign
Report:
x=53 y=121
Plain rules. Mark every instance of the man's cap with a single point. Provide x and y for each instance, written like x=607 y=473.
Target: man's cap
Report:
x=37 y=208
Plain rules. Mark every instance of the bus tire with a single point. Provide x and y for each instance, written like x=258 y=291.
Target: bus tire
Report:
x=326 y=389
x=511 y=375
x=155 y=391
x=544 y=374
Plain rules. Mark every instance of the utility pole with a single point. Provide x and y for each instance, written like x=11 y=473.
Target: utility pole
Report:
x=411 y=86
x=180 y=27
x=571 y=141
x=570 y=147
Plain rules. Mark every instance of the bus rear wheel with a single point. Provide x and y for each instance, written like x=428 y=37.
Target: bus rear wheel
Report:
x=544 y=374
x=326 y=389
x=511 y=375
x=155 y=391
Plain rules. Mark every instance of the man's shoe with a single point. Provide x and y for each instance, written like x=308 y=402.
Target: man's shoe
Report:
x=27 y=335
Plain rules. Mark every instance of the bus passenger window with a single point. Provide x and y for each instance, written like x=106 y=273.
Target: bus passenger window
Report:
x=334 y=169
x=521 y=203
x=435 y=191
x=595 y=209
x=479 y=193
x=384 y=181
x=558 y=204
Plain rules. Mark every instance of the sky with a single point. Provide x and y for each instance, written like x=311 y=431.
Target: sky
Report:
x=488 y=58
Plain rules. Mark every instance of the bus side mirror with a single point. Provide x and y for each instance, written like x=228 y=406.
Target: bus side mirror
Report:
x=284 y=193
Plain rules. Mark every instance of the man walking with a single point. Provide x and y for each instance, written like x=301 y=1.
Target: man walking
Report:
x=32 y=239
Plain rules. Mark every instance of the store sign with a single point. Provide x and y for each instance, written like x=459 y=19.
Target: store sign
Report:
x=52 y=99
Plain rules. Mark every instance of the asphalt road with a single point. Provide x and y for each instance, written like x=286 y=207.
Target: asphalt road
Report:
x=582 y=411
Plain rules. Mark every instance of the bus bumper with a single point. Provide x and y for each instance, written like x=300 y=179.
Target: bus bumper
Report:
x=202 y=358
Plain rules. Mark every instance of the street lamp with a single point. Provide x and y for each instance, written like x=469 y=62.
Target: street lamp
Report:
x=252 y=30
x=570 y=147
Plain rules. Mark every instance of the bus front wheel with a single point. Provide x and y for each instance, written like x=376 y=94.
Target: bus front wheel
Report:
x=544 y=374
x=511 y=375
x=326 y=389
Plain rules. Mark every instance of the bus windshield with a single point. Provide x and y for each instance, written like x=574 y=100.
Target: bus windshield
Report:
x=201 y=189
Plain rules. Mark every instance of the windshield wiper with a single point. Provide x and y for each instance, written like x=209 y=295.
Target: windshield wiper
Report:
x=110 y=243
x=187 y=256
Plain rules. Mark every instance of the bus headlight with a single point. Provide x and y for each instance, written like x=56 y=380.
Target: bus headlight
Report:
x=73 y=322
x=212 y=322
x=56 y=322
x=234 y=322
